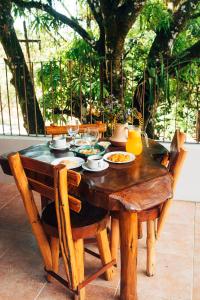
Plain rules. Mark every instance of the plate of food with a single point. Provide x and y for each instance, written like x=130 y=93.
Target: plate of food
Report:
x=119 y=157
x=69 y=161
x=85 y=151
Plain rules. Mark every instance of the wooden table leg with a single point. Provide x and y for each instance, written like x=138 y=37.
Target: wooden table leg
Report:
x=128 y=237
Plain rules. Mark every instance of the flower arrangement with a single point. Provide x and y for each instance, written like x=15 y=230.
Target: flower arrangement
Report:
x=116 y=112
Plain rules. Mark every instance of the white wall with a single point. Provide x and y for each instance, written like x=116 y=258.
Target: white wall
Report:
x=188 y=187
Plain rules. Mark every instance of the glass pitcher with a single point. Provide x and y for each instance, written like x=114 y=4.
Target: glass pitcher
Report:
x=134 y=142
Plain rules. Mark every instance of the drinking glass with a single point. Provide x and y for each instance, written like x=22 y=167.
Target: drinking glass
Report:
x=92 y=136
x=73 y=129
x=85 y=136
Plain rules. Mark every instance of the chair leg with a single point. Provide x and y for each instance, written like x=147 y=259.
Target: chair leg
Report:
x=79 y=250
x=150 y=248
x=54 y=245
x=114 y=238
x=163 y=216
x=140 y=233
x=104 y=251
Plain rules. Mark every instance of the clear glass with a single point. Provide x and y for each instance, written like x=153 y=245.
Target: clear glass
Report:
x=92 y=136
x=73 y=129
x=85 y=136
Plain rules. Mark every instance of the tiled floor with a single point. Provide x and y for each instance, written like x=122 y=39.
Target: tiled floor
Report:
x=177 y=266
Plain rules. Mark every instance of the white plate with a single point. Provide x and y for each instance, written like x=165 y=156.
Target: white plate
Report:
x=104 y=167
x=70 y=162
x=60 y=148
x=106 y=157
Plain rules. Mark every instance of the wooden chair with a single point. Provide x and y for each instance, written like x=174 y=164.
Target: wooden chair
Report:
x=177 y=143
x=155 y=218
x=57 y=130
x=64 y=223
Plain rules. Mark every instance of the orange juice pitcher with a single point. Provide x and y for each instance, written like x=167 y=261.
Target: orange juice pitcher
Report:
x=134 y=142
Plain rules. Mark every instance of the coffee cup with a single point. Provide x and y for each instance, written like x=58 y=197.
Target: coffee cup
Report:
x=95 y=162
x=59 y=142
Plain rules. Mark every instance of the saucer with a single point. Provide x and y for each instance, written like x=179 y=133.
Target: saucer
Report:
x=104 y=167
x=59 y=148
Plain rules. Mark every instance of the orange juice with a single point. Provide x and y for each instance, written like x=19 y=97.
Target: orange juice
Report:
x=134 y=142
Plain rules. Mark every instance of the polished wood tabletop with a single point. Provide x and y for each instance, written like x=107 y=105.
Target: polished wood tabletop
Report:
x=133 y=185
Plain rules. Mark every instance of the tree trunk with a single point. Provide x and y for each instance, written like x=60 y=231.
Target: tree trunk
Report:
x=33 y=121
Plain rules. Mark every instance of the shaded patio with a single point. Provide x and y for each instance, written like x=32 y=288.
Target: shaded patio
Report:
x=177 y=268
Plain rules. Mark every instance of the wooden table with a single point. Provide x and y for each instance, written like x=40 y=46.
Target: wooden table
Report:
x=128 y=188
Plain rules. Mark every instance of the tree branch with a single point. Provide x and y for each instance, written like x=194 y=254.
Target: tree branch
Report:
x=130 y=7
x=165 y=38
x=106 y=7
x=96 y=11
x=127 y=13
x=185 y=57
x=58 y=16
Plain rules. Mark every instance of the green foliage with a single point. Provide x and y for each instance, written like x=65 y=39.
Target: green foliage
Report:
x=72 y=80
x=18 y=12
x=188 y=37
x=79 y=50
x=155 y=16
x=179 y=102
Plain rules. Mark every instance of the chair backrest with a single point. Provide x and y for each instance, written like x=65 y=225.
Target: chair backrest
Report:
x=175 y=148
x=177 y=141
x=176 y=166
x=51 y=182
x=175 y=159
x=177 y=156
x=56 y=130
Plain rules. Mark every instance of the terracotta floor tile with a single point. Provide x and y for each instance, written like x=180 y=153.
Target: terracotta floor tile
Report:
x=173 y=277
x=22 y=274
x=93 y=292
x=181 y=212
x=8 y=193
x=100 y=293
x=54 y=291
x=177 y=239
x=6 y=241
x=196 y=280
x=197 y=214
x=13 y=216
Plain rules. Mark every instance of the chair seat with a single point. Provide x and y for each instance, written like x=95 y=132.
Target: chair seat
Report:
x=85 y=224
x=144 y=215
x=149 y=214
